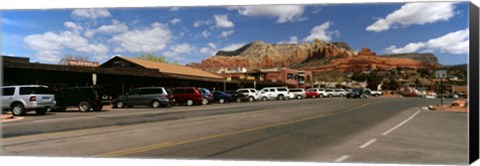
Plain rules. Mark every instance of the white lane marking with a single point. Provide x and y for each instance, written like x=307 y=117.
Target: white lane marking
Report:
x=397 y=126
x=343 y=158
x=367 y=143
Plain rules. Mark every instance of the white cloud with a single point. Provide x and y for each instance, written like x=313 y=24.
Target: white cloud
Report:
x=178 y=49
x=49 y=45
x=174 y=9
x=411 y=47
x=115 y=27
x=293 y=40
x=321 y=32
x=19 y=23
x=212 y=45
x=223 y=22
x=205 y=33
x=175 y=21
x=210 y=50
x=182 y=48
x=453 y=43
x=226 y=34
x=72 y=26
x=199 y=23
x=233 y=47
x=415 y=13
x=91 y=13
x=148 y=40
x=284 y=13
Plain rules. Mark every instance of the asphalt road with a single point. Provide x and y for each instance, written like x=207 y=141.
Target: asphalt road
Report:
x=380 y=130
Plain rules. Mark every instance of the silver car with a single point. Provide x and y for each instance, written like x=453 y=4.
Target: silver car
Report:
x=23 y=98
x=298 y=93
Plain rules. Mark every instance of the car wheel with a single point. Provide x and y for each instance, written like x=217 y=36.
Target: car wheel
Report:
x=84 y=106
x=98 y=108
x=239 y=100
x=18 y=109
x=321 y=96
x=251 y=99
x=330 y=95
x=204 y=101
x=155 y=104
x=313 y=96
x=264 y=99
x=299 y=97
x=280 y=97
x=120 y=104
x=221 y=101
x=189 y=102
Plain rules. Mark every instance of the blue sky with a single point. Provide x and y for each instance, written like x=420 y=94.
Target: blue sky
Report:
x=190 y=34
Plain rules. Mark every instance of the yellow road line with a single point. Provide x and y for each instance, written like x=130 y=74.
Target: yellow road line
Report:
x=168 y=144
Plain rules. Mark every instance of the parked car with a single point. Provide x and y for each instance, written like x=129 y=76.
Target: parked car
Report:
x=373 y=92
x=84 y=98
x=339 y=92
x=329 y=93
x=207 y=96
x=311 y=93
x=325 y=92
x=23 y=98
x=298 y=93
x=280 y=93
x=237 y=96
x=357 y=93
x=187 y=95
x=251 y=93
x=221 y=97
x=147 y=96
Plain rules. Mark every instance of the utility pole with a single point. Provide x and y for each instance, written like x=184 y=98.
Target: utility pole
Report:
x=440 y=74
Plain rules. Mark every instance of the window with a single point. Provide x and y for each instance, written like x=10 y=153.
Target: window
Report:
x=282 y=89
x=134 y=92
x=8 y=91
x=295 y=90
x=243 y=91
x=179 y=91
x=290 y=76
x=189 y=90
x=34 y=90
x=169 y=91
x=148 y=91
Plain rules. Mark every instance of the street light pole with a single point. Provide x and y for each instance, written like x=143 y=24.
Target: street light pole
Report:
x=441 y=91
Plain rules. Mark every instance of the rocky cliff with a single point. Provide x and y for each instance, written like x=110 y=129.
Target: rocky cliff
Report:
x=259 y=54
x=424 y=57
x=318 y=56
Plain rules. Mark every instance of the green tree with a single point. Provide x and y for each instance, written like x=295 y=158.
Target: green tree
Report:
x=152 y=57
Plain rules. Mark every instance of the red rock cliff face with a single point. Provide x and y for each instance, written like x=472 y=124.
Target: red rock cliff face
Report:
x=303 y=56
x=367 y=60
x=262 y=55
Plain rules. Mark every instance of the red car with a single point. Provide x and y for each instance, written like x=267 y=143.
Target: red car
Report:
x=311 y=93
x=187 y=95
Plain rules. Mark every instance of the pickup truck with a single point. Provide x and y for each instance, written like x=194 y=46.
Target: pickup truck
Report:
x=372 y=92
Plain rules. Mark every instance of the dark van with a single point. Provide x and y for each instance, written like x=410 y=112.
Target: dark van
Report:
x=85 y=98
x=147 y=96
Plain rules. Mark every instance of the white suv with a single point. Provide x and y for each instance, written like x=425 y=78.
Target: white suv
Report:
x=23 y=98
x=340 y=92
x=280 y=93
x=325 y=92
x=251 y=94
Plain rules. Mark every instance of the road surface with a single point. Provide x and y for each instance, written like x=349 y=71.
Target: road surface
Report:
x=380 y=130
